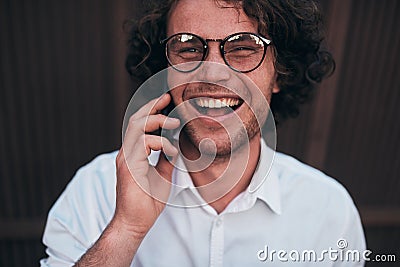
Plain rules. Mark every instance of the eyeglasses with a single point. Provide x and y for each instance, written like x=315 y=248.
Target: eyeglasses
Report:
x=242 y=52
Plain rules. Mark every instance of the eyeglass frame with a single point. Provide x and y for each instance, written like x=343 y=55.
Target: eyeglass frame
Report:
x=222 y=42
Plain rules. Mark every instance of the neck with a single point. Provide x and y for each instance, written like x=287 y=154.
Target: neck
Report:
x=226 y=177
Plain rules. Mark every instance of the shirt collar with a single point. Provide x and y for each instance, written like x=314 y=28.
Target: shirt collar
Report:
x=181 y=181
x=181 y=176
x=264 y=184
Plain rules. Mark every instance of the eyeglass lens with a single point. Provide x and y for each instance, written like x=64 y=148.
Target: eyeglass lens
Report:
x=242 y=52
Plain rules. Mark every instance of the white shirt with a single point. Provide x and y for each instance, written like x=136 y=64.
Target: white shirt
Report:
x=295 y=209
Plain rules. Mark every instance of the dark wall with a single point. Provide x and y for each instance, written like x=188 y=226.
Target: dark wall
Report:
x=352 y=128
x=63 y=91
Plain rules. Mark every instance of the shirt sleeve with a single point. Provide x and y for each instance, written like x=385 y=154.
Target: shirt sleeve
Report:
x=81 y=213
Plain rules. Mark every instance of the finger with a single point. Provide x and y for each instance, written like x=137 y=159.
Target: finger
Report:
x=143 y=147
x=155 y=122
x=153 y=107
x=156 y=143
x=154 y=181
x=147 y=124
x=136 y=159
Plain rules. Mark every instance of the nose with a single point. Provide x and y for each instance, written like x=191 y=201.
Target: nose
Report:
x=214 y=68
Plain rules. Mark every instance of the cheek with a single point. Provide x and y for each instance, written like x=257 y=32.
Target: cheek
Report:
x=265 y=80
x=178 y=82
x=177 y=95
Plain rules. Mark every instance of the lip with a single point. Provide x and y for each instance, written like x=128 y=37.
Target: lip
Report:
x=216 y=96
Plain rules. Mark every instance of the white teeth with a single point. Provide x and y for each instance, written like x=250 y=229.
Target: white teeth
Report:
x=216 y=103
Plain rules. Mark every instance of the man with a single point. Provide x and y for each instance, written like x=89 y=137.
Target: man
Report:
x=262 y=212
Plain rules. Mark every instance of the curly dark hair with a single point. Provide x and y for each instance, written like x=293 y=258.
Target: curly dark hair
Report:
x=294 y=26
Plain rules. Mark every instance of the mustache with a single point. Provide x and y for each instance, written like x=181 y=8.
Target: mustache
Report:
x=203 y=88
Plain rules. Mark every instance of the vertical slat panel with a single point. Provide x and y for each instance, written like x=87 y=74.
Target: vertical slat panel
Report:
x=31 y=74
x=323 y=110
x=57 y=104
x=363 y=152
x=48 y=88
x=5 y=93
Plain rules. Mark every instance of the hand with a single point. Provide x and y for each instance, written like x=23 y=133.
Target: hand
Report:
x=136 y=211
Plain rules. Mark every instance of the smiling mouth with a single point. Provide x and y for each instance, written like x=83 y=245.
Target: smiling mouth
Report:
x=215 y=107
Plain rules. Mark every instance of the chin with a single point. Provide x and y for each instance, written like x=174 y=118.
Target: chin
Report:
x=219 y=139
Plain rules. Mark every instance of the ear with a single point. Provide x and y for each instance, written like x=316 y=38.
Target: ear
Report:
x=275 y=87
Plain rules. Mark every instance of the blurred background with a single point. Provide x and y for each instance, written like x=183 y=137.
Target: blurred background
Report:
x=64 y=89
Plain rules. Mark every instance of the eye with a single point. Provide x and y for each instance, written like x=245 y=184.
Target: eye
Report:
x=241 y=50
x=189 y=50
x=244 y=48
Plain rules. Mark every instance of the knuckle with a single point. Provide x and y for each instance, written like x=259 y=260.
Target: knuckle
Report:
x=137 y=124
x=132 y=118
x=164 y=141
x=160 y=117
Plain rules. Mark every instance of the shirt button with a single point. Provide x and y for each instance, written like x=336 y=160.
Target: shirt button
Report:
x=218 y=223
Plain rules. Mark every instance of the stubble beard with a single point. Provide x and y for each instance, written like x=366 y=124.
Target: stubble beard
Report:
x=226 y=144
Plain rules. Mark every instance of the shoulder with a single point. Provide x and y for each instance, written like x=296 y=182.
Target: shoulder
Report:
x=94 y=183
x=100 y=172
x=86 y=206
x=301 y=183
x=293 y=172
x=81 y=213
x=318 y=203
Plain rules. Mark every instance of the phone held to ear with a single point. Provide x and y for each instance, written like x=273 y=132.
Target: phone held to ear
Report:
x=166 y=133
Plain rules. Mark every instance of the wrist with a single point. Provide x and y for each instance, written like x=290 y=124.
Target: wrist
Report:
x=126 y=231
x=115 y=240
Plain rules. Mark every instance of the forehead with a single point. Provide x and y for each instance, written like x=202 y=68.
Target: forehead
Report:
x=209 y=19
